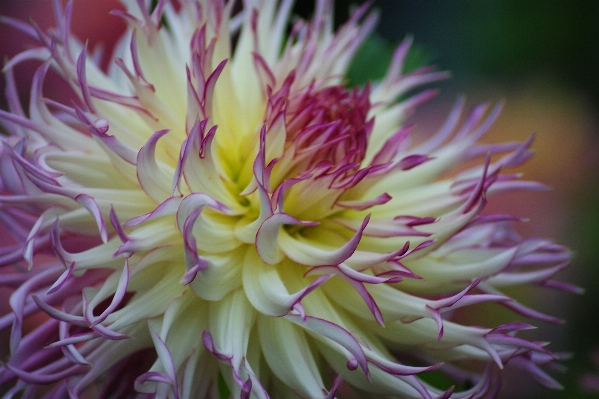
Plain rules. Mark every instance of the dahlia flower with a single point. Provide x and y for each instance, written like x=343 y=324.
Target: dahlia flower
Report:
x=217 y=214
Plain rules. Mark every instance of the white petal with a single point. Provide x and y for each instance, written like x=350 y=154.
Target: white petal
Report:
x=289 y=356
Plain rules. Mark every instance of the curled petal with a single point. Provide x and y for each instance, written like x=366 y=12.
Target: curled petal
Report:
x=92 y=206
x=310 y=256
x=266 y=291
x=267 y=236
x=152 y=177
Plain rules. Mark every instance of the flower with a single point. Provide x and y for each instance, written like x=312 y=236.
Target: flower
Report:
x=219 y=212
x=589 y=381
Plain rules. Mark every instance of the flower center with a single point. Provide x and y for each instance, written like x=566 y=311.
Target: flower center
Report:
x=330 y=125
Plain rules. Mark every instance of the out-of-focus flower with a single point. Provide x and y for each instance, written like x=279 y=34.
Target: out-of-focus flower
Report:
x=590 y=381
x=218 y=209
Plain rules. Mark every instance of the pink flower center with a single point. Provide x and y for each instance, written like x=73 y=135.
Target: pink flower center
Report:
x=330 y=125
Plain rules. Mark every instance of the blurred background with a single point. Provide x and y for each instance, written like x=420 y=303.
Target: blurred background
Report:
x=540 y=57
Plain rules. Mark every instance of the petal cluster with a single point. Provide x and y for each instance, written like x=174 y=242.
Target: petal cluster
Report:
x=217 y=212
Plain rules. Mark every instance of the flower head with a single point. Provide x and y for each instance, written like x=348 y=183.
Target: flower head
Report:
x=218 y=208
